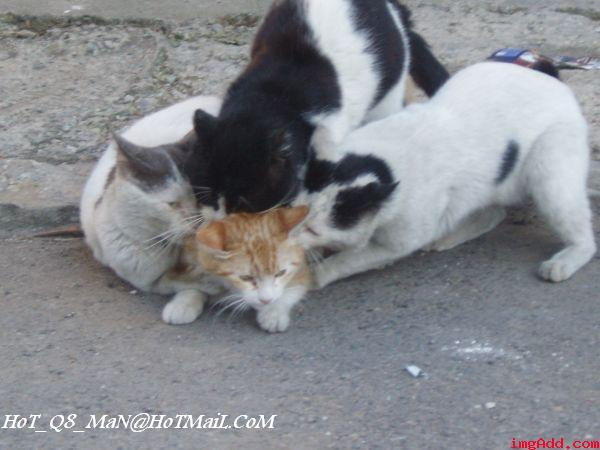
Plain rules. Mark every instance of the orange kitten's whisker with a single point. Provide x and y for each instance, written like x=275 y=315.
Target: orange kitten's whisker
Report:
x=239 y=309
x=225 y=299
x=235 y=304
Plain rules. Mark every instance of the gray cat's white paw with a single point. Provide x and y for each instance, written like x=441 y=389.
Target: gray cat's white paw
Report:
x=185 y=307
x=273 y=320
x=556 y=271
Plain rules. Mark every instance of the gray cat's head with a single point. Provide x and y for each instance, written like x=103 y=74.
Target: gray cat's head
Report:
x=151 y=187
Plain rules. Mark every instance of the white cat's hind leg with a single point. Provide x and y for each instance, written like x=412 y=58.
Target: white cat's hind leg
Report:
x=558 y=185
x=474 y=226
x=572 y=222
x=185 y=307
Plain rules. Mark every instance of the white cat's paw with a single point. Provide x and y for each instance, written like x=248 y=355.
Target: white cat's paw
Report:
x=185 y=307
x=556 y=271
x=322 y=276
x=273 y=320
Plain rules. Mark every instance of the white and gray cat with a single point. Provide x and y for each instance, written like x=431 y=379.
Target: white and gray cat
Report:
x=138 y=206
x=439 y=174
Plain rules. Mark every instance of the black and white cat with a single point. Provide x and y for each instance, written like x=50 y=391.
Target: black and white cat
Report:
x=439 y=174
x=318 y=70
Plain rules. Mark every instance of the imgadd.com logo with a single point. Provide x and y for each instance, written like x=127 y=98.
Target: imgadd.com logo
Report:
x=554 y=443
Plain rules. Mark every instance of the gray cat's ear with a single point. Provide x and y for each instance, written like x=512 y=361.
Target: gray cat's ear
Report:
x=205 y=125
x=148 y=167
x=290 y=218
x=127 y=152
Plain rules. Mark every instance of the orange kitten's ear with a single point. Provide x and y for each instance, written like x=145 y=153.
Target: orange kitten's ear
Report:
x=212 y=236
x=290 y=217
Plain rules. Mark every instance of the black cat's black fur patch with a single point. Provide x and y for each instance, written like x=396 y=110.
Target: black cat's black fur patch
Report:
x=427 y=72
x=373 y=18
x=193 y=168
x=509 y=161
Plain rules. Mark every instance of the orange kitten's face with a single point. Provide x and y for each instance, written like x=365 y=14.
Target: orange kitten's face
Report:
x=255 y=254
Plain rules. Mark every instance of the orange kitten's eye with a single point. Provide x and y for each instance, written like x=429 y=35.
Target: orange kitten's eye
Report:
x=280 y=273
x=175 y=205
x=248 y=278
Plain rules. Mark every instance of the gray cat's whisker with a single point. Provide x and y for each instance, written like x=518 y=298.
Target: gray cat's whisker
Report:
x=166 y=239
x=193 y=220
x=158 y=243
x=171 y=232
x=161 y=239
x=158 y=236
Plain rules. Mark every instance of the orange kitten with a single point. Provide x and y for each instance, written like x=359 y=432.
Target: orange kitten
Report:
x=258 y=257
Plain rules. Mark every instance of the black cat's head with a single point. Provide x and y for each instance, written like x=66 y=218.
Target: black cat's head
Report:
x=251 y=163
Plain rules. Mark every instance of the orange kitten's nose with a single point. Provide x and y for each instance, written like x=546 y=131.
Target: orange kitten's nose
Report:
x=265 y=301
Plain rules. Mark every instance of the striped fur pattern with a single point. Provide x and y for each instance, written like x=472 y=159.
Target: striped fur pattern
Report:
x=259 y=259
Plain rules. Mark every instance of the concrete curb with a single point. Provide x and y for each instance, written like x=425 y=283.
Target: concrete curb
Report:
x=48 y=152
x=142 y=9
